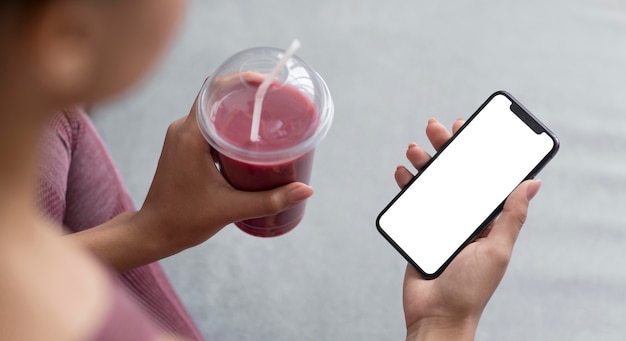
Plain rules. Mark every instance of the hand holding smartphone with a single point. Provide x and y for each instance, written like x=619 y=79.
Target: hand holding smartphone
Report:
x=463 y=187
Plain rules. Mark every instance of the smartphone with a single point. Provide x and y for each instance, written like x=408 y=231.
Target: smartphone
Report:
x=464 y=186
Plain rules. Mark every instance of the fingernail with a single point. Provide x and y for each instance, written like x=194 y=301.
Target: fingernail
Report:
x=411 y=145
x=432 y=120
x=299 y=194
x=533 y=189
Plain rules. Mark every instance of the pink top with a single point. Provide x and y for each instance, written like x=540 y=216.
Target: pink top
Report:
x=125 y=321
x=80 y=187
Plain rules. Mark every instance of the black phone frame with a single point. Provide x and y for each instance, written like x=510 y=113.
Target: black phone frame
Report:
x=527 y=117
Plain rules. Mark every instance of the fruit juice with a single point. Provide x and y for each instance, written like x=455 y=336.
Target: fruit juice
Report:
x=288 y=118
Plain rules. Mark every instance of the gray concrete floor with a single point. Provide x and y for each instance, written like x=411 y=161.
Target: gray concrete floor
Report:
x=390 y=66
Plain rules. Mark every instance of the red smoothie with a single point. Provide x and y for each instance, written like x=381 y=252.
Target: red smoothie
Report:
x=288 y=118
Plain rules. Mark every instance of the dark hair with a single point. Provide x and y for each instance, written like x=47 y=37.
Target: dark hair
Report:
x=21 y=4
x=21 y=9
x=14 y=16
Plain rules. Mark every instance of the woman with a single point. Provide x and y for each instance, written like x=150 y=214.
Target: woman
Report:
x=58 y=53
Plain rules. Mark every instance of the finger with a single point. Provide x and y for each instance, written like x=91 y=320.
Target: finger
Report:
x=437 y=133
x=402 y=176
x=484 y=233
x=215 y=156
x=411 y=274
x=194 y=106
x=224 y=84
x=252 y=77
x=457 y=125
x=417 y=156
x=508 y=225
x=191 y=128
x=266 y=203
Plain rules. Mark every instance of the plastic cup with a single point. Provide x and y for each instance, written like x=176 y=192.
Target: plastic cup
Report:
x=296 y=115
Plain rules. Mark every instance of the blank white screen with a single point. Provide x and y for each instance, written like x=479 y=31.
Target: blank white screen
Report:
x=462 y=187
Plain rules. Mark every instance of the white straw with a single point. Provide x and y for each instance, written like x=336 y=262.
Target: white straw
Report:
x=260 y=93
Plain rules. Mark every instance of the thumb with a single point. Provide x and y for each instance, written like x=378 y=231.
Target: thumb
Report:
x=266 y=203
x=509 y=223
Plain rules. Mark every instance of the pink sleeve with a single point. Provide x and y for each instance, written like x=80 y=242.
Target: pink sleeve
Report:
x=125 y=321
x=80 y=187
x=55 y=158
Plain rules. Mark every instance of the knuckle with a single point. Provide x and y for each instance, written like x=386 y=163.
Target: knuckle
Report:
x=519 y=217
x=273 y=204
x=499 y=254
x=175 y=127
